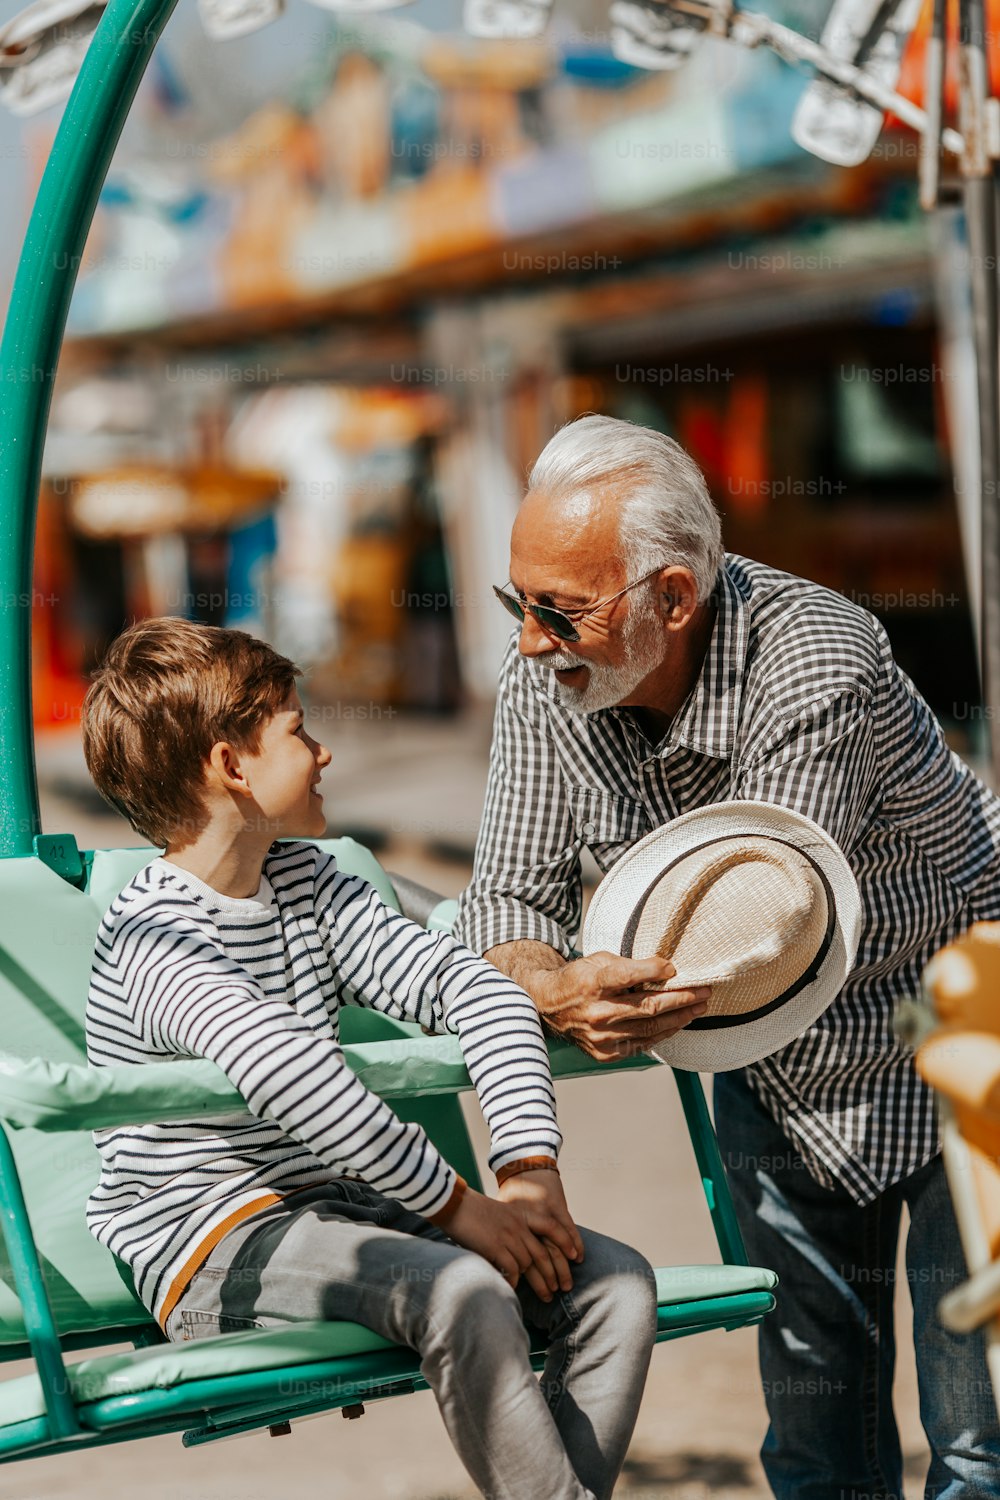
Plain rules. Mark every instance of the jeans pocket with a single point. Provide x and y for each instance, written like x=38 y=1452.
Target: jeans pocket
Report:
x=350 y=1190
x=198 y=1324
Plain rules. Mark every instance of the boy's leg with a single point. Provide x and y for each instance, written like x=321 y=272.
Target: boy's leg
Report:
x=334 y=1253
x=601 y=1336
x=957 y=1405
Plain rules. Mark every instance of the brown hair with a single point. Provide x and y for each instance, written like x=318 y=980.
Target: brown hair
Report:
x=165 y=693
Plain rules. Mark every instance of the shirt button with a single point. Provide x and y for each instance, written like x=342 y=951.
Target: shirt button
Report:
x=588 y=830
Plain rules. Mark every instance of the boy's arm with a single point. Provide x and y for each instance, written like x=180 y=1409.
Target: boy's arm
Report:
x=189 y=997
x=427 y=977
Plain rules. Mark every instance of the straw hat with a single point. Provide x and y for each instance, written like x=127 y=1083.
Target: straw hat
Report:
x=752 y=899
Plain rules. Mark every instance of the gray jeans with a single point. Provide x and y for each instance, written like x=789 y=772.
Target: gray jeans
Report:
x=344 y=1251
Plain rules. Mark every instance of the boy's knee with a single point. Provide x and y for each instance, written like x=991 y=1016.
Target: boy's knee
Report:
x=623 y=1276
x=471 y=1297
x=604 y=1256
x=639 y=1287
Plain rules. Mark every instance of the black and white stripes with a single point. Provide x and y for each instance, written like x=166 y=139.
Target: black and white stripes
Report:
x=799 y=703
x=256 y=985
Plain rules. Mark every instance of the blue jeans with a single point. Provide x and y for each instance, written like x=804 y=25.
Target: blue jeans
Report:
x=827 y=1351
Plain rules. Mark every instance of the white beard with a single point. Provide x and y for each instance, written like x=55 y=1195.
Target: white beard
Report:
x=606 y=686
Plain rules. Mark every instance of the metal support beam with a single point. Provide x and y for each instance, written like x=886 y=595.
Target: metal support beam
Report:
x=979 y=198
x=29 y=354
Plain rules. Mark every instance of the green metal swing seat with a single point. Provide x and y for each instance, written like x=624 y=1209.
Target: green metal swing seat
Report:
x=62 y=1291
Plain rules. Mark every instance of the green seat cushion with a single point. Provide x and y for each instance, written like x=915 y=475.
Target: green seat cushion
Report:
x=48 y=929
x=47 y=935
x=169 y=1365
x=677 y=1284
x=110 y=872
x=86 y=1291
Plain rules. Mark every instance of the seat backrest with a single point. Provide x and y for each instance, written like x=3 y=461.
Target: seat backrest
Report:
x=47 y=933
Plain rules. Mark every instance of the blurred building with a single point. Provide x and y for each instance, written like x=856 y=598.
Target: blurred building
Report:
x=387 y=291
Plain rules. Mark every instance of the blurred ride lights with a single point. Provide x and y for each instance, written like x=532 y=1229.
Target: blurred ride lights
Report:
x=225 y=19
x=829 y=121
x=144 y=500
x=506 y=18
x=42 y=50
x=857 y=62
x=650 y=34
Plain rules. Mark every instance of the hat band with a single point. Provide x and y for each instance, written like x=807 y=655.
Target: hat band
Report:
x=714 y=1023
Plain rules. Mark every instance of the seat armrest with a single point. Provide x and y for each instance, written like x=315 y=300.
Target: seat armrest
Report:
x=441 y=918
x=40 y=1095
x=418 y=902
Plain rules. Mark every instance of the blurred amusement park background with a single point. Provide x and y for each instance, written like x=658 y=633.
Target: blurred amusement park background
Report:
x=347 y=275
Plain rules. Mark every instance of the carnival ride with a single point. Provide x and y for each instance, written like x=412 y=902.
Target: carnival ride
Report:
x=59 y=1289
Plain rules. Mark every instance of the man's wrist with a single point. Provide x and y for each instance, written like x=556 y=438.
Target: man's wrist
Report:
x=529 y=963
x=542 y=989
x=526 y=1164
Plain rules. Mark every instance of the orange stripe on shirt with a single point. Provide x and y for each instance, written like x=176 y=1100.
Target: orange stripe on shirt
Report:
x=193 y=1263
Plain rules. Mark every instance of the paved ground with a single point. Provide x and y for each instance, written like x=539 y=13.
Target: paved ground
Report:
x=416 y=786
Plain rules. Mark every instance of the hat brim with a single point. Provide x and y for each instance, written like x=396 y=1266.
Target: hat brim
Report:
x=720 y=1047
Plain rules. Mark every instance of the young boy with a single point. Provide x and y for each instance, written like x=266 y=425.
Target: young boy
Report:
x=318 y=1202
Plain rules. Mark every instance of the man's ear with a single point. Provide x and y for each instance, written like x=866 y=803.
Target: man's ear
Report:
x=677 y=592
x=225 y=768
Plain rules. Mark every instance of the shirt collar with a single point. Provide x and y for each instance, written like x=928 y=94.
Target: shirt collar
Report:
x=706 y=721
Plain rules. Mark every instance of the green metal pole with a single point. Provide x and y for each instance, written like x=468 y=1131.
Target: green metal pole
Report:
x=713 y=1173
x=36 y=320
x=29 y=1285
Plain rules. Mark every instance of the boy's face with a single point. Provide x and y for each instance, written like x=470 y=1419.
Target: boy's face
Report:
x=284 y=773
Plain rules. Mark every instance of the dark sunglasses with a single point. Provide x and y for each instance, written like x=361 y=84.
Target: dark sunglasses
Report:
x=560 y=622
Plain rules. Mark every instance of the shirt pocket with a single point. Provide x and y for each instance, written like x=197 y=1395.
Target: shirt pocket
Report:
x=606 y=822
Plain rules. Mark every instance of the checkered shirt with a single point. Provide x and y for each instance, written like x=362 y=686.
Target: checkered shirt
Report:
x=799 y=702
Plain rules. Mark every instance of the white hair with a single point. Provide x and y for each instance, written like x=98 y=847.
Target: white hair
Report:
x=667 y=515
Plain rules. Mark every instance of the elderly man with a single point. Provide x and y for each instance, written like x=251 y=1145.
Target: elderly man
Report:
x=653 y=674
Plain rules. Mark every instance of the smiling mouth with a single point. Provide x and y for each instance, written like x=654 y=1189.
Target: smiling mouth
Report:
x=566 y=674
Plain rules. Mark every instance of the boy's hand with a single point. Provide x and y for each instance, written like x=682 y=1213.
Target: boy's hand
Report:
x=500 y=1234
x=539 y=1197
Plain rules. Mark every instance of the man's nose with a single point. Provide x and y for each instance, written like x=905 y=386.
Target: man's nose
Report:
x=533 y=640
x=323 y=755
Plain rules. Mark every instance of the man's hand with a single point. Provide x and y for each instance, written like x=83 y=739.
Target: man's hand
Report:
x=614 y=1007
x=501 y=1233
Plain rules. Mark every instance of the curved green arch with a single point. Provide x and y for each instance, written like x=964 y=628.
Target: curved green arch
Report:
x=36 y=320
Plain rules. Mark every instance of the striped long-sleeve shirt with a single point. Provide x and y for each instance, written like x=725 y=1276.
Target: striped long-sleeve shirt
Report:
x=799 y=702
x=256 y=986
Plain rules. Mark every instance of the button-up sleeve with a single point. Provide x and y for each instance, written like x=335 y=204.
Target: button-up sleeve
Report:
x=526 y=876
